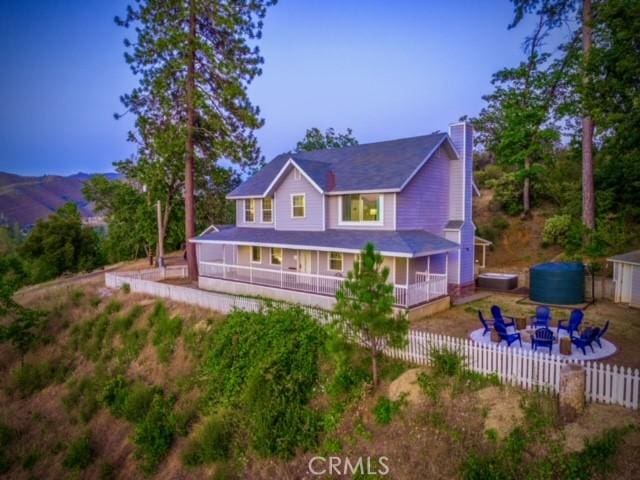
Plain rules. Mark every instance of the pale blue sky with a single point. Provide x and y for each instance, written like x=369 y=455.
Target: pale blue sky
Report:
x=385 y=69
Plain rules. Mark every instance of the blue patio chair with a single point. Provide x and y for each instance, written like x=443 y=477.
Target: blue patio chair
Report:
x=485 y=324
x=601 y=334
x=499 y=318
x=542 y=317
x=586 y=338
x=507 y=337
x=574 y=322
x=543 y=337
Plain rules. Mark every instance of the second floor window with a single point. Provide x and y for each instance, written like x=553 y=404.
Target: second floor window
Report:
x=297 y=206
x=362 y=208
x=267 y=210
x=249 y=210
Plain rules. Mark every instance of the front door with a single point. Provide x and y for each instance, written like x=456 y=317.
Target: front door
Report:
x=304 y=262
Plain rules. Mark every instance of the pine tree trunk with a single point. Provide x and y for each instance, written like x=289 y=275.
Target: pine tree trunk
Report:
x=374 y=365
x=588 y=194
x=526 y=191
x=189 y=200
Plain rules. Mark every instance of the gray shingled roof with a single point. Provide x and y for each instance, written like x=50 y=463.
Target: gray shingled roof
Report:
x=405 y=242
x=370 y=166
x=629 y=257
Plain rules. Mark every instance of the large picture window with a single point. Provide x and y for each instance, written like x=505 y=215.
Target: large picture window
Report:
x=249 y=210
x=267 y=210
x=297 y=206
x=362 y=208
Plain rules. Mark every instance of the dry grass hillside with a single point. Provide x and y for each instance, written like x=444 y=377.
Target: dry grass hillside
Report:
x=517 y=242
x=58 y=419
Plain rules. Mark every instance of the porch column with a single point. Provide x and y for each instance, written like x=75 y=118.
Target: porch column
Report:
x=429 y=268
x=224 y=260
x=281 y=267
x=446 y=272
x=484 y=255
x=317 y=271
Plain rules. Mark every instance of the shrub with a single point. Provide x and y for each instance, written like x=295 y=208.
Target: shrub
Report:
x=267 y=364
x=125 y=287
x=386 y=409
x=30 y=460
x=210 y=442
x=556 y=229
x=166 y=331
x=113 y=306
x=154 y=434
x=80 y=454
x=130 y=401
x=83 y=396
x=7 y=435
x=29 y=378
x=507 y=192
x=76 y=295
x=446 y=362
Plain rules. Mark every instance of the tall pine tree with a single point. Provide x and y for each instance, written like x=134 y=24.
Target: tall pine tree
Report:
x=195 y=59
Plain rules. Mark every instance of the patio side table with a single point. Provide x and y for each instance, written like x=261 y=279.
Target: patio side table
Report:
x=521 y=323
x=495 y=338
x=565 y=346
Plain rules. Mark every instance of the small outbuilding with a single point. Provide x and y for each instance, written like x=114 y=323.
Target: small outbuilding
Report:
x=626 y=278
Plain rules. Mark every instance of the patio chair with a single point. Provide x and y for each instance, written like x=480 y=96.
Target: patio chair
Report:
x=499 y=318
x=543 y=337
x=601 y=334
x=575 y=319
x=586 y=338
x=485 y=324
x=542 y=317
x=507 y=337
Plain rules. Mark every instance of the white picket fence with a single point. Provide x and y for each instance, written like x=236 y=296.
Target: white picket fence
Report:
x=527 y=369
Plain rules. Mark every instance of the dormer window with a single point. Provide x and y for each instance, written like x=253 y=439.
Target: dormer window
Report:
x=361 y=208
x=267 y=210
x=249 y=210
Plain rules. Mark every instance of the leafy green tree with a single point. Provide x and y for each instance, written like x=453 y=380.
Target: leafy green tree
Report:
x=365 y=307
x=131 y=216
x=517 y=126
x=61 y=244
x=195 y=60
x=314 y=139
x=20 y=326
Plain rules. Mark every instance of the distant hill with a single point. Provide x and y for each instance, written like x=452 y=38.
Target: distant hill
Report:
x=24 y=200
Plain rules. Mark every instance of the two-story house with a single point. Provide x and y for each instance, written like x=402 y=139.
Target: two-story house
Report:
x=303 y=218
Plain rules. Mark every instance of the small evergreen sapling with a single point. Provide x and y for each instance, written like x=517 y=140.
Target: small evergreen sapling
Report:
x=365 y=307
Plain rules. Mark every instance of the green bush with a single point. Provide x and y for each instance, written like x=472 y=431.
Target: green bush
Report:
x=113 y=306
x=266 y=363
x=556 y=229
x=507 y=192
x=490 y=172
x=130 y=401
x=385 y=410
x=76 y=295
x=166 y=330
x=80 y=454
x=125 y=287
x=211 y=442
x=83 y=396
x=154 y=434
x=29 y=378
x=446 y=362
x=7 y=436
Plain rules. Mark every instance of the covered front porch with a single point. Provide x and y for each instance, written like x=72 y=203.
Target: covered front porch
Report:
x=416 y=280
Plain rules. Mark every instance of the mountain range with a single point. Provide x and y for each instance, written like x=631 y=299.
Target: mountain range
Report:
x=23 y=200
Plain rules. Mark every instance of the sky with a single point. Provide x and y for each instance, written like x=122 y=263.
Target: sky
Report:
x=385 y=69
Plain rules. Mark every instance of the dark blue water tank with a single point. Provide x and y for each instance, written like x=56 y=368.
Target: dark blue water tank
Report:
x=559 y=283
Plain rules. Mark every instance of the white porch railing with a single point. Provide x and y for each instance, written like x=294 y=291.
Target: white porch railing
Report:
x=414 y=294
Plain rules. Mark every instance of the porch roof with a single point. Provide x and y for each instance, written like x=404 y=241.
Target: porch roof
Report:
x=401 y=243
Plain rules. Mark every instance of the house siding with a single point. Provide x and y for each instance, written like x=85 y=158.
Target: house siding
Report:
x=313 y=220
x=388 y=214
x=424 y=202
